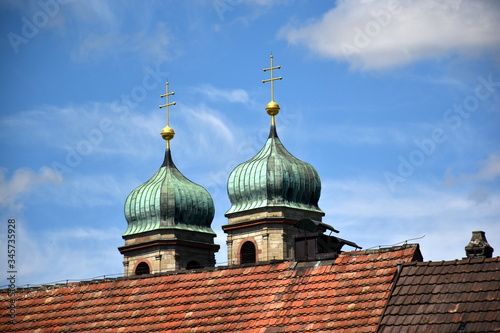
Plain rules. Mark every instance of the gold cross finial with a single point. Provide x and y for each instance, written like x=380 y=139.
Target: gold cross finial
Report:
x=167 y=104
x=272 y=79
x=167 y=132
x=272 y=107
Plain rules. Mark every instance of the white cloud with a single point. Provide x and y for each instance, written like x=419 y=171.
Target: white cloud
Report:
x=209 y=126
x=102 y=29
x=154 y=46
x=50 y=256
x=207 y=146
x=487 y=170
x=110 y=128
x=368 y=213
x=217 y=94
x=383 y=34
x=415 y=202
x=208 y=140
x=79 y=233
x=91 y=128
x=490 y=169
x=480 y=195
x=482 y=181
x=96 y=11
x=94 y=190
x=23 y=182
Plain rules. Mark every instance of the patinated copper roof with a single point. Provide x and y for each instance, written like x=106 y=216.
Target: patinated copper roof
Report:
x=274 y=178
x=344 y=295
x=169 y=200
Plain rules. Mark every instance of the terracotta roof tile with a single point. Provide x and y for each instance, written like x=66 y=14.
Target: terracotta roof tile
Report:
x=346 y=296
x=446 y=296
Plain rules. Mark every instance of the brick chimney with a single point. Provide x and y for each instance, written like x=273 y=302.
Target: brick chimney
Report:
x=478 y=246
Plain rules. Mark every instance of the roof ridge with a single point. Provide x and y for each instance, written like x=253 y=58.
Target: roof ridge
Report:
x=463 y=261
x=289 y=265
x=379 y=250
x=93 y=281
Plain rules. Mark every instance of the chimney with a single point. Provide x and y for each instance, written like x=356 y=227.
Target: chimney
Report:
x=478 y=246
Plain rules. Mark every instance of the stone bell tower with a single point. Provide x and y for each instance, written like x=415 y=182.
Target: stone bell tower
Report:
x=169 y=219
x=269 y=194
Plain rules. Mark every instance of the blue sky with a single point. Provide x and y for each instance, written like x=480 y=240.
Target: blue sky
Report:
x=395 y=103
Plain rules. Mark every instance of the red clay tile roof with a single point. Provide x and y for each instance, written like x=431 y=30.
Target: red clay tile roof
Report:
x=347 y=295
x=448 y=296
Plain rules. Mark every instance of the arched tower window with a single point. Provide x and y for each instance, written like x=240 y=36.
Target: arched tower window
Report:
x=142 y=268
x=247 y=254
x=193 y=265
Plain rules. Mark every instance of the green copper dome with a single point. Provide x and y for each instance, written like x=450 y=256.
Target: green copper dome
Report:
x=169 y=201
x=274 y=178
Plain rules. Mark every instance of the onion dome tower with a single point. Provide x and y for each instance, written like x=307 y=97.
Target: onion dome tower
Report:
x=169 y=220
x=269 y=194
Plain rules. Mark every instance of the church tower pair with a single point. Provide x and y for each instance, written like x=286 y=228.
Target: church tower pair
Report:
x=169 y=217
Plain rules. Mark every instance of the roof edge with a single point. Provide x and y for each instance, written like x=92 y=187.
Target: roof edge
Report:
x=416 y=257
x=464 y=261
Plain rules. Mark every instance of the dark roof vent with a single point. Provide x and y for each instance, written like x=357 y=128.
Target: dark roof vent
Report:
x=478 y=246
x=314 y=226
x=312 y=244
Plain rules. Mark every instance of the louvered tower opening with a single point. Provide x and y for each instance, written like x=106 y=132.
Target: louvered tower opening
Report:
x=142 y=269
x=248 y=253
x=193 y=265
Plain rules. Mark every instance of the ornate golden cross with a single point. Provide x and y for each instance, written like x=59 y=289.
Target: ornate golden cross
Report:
x=272 y=79
x=167 y=104
x=167 y=133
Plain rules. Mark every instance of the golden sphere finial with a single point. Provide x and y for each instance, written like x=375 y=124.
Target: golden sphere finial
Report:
x=167 y=133
x=272 y=108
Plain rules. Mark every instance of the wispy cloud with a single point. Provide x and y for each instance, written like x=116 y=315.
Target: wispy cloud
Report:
x=93 y=190
x=482 y=183
x=490 y=169
x=209 y=125
x=383 y=34
x=91 y=157
x=94 y=127
x=23 y=182
x=218 y=94
x=96 y=30
x=153 y=45
x=367 y=212
x=71 y=253
x=82 y=234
